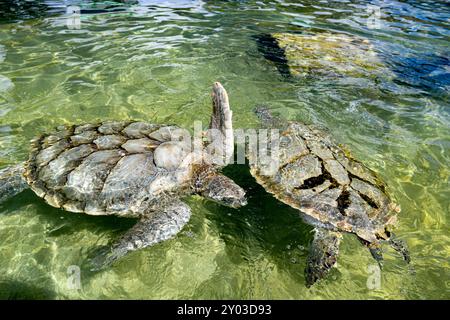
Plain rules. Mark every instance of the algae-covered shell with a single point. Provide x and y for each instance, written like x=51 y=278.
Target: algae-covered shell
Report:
x=328 y=54
x=312 y=173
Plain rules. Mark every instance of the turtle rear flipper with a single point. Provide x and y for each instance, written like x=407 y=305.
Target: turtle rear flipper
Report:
x=12 y=181
x=322 y=254
x=377 y=252
x=400 y=246
x=159 y=227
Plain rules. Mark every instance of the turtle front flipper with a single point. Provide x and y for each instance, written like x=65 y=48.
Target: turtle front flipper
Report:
x=160 y=226
x=322 y=254
x=12 y=181
x=400 y=246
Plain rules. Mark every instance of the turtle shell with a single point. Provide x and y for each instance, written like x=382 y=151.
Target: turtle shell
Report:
x=314 y=174
x=119 y=168
x=330 y=54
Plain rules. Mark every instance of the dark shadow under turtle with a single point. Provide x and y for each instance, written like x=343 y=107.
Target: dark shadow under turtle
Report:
x=264 y=227
x=14 y=289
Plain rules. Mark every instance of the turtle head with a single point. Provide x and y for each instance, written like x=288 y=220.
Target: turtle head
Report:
x=223 y=190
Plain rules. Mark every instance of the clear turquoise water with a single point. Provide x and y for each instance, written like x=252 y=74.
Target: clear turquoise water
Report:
x=156 y=61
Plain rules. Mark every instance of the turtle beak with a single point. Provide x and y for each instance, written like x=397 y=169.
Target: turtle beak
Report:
x=237 y=198
x=237 y=203
x=223 y=190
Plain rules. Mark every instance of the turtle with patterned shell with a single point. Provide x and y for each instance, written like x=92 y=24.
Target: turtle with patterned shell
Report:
x=129 y=169
x=333 y=192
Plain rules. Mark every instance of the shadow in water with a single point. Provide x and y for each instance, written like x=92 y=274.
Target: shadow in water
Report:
x=16 y=10
x=264 y=226
x=63 y=222
x=60 y=223
x=12 y=289
x=268 y=46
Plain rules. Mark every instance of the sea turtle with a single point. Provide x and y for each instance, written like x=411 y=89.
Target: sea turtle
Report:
x=335 y=193
x=130 y=169
x=322 y=54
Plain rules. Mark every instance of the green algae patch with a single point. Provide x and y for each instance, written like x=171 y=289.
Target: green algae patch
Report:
x=330 y=54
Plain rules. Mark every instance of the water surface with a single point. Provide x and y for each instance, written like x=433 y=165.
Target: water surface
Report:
x=156 y=61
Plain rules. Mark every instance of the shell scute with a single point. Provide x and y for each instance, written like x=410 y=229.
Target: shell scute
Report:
x=125 y=181
x=109 y=141
x=291 y=147
x=55 y=172
x=294 y=174
x=85 y=127
x=112 y=127
x=88 y=178
x=138 y=130
x=337 y=171
x=48 y=154
x=83 y=137
x=166 y=133
x=140 y=145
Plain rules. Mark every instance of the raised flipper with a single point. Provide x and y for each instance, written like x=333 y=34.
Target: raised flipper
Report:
x=161 y=226
x=322 y=254
x=377 y=252
x=220 y=132
x=12 y=181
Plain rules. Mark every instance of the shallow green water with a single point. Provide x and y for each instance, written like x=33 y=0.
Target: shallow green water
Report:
x=157 y=63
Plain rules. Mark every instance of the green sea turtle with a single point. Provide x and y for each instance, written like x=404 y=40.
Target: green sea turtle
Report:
x=130 y=169
x=322 y=54
x=335 y=193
